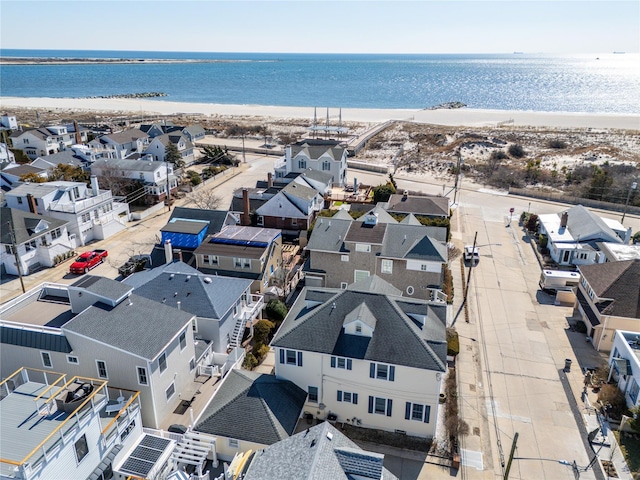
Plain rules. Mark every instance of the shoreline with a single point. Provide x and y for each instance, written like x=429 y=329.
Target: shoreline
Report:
x=447 y=117
x=100 y=61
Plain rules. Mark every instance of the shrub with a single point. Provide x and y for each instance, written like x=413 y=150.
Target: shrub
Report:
x=636 y=237
x=250 y=361
x=498 y=155
x=447 y=284
x=275 y=310
x=261 y=331
x=559 y=144
x=260 y=351
x=613 y=399
x=543 y=241
x=381 y=193
x=532 y=223
x=516 y=151
x=453 y=342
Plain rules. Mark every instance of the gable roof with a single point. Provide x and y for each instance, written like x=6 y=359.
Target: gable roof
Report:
x=321 y=452
x=380 y=212
x=396 y=339
x=199 y=294
x=126 y=136
x=314 y=149
x=419 y=205
x=618 y=282
x=23 y=224
x=298 y=190
x=253 y=407
x=66 y=157
x=317 y=176
x=128 y=165
x=137 y=325
x=280 y=206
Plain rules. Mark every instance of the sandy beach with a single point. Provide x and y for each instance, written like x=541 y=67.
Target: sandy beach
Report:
x=448 y=117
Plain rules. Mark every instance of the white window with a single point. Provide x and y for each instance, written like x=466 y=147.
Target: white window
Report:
x=31 y=245
x=72 y=360
x=363 y=247
x=19 y=200
x=382 y=371
x=162 y=362
x=169 y=392
x=380 y=406
x=423 y=267
x=344 y=258
x=233 y=443
x=348 y=397
x=82 y=448
x=343 y=285
x=291 y=357
x=326 y=166
x=387 y=266
x=358 y=328
x=102 y=369
x=183 y=341
x=210 y=259
x=55 y=233
x=46 y=359
x=302 y=164
x=341 y=362
x=417 y=412
x=313 y=394
x=360 y=275
x=142 y=376
x=260 y=220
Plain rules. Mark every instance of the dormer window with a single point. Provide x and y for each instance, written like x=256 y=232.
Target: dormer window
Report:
x=358 y=328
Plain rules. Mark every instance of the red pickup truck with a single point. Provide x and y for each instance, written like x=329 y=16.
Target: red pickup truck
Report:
x=88 y=260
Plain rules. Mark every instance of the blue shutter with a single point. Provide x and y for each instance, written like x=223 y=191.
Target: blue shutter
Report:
x=333 y=362
x=427 y=413
x=372 y=370
x=407 y=411
x=349 y=364
x=389 y=405
x=370 y=404
x=392 y=373
x=299 y=359
x=354 y=397
x=282 y=355
x=339 y=395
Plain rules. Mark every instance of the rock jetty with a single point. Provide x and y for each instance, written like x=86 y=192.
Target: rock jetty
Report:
x=133 y=95
x=447 y=105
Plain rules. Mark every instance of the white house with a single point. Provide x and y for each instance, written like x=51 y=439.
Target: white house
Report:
x=329 y=156
x=6 y=155
x=57 y=425
x=39 y=241
x=573 y=235
x=11 y=174
x=91 y=213
x=624 y=363
x=8 y=122
x=365 y=356
x=122 y=143
x=157 y=147
x=153 y=175
x=98 y=328
x=39 y=142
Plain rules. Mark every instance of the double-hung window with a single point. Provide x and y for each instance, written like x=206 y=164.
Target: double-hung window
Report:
x=162 y=362
x=340 y=362
x=418 y=412
x=348 y=397
x=380 y=406
x=142 y=376
x=382 y=371
x=290 y=357
x=313 y=394
x=102 y=369
x=183 y=341
x=387 y=266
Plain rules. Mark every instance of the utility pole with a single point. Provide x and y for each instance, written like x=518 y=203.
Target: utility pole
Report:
x=244 y=158
x=14 y=247
x=455 y=194
x=513 y=451
x=471 y=262
x=633 y=186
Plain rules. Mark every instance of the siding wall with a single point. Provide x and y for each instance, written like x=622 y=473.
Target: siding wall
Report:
x=409 y=385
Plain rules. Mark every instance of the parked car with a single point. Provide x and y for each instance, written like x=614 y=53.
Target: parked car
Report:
x=471 y=253
x=88 y=260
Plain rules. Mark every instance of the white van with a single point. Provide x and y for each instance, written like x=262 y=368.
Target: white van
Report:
x=471 y=253
x=554 y=280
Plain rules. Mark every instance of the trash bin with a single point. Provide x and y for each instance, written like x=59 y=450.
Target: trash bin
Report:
x=567 y=364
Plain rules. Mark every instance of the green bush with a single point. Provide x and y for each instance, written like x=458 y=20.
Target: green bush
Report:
x=447 y=284
x=261 y=331
x=260 y=351
x=543 y=241
x=453 y=342
x=250 y=361
x=275 y=311
x=516 y=151
x=381 y=193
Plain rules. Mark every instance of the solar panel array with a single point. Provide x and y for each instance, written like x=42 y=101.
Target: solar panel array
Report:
x=145 y=455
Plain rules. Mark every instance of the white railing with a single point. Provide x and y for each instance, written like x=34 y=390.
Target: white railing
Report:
x=81 y=205
x=250 y=311
x=208 y=370
x=164 y=434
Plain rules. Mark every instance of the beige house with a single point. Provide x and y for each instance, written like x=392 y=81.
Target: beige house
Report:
x=608 y=299
x=245 y=252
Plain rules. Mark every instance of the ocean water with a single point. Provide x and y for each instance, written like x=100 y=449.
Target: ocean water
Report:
x=569 y=83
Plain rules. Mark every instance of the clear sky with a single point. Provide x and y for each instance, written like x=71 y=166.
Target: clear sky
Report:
x=451 y=26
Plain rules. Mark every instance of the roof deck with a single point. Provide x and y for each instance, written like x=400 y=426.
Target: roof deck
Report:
x=41 y=307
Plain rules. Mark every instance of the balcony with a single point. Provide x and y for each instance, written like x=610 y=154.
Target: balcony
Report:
x=81 y=205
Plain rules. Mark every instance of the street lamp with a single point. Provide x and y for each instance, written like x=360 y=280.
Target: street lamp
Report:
x=633 y=186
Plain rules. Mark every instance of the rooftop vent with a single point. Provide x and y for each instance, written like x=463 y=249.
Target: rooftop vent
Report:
x=207 y=280
x=188 y=278
x=329 y=436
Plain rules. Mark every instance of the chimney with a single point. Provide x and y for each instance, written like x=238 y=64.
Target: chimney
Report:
x=33 y=203
x=177 y=254
x=245 y=218
x=269 y=180
x=563 y=219
x=77 y=129
x=168 y=252
x=94 y=186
